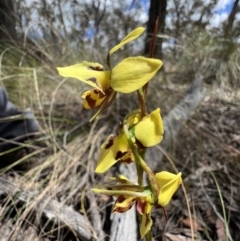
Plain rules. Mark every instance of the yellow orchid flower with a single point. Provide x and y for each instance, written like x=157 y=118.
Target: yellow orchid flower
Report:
x=168 y=184
x=128 y=76
x=113 y=150
x=149 y=131
x=128 y=193
x=146 y=133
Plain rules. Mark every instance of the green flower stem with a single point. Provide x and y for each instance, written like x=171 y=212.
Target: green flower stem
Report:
x=148 y=236
x=139 y=173
x=138 y=166
x=118 y=192
x=151 y=177
x=129 y=187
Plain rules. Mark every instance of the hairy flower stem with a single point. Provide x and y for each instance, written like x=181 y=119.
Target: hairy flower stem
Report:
x=142 y=103
x=138 y=159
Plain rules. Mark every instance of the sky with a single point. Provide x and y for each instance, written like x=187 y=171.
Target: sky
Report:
x=221 y=12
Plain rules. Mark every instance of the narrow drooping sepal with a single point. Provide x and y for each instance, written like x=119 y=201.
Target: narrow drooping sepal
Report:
x=130 y=37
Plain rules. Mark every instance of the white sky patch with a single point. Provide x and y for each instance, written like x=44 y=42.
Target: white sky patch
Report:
x=237 y=16
x=220 y=13
x=218 y=19
x=221 y=5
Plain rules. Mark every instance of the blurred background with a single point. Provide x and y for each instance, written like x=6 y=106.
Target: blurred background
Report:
x=195 y=39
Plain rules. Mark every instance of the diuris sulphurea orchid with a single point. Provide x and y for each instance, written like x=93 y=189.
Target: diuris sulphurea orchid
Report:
x=128 y=193
x=137 y=132
x=145 y=132
x=127 y=76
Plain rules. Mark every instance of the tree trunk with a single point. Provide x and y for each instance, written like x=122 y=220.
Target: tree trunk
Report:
x=231 y=18
x=7 y=20
x=157 y=9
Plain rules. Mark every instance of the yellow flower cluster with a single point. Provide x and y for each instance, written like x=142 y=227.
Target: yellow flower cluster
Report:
x=138 y=132
x=128 y=76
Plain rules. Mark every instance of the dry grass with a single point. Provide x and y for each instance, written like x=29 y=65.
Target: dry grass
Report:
x=61 y=163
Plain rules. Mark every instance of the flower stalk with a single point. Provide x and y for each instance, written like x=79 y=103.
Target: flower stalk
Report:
x=138 y=132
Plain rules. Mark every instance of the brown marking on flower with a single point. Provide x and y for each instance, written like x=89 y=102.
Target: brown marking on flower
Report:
x=97 y=68
x=121 y=199
x=141 y=207
x=139 y=144
x=110 y=141
x=120 y=154
x=91 y=102
x=121 y=209
x=101 y=94
x=128 y=158
x=96 y=91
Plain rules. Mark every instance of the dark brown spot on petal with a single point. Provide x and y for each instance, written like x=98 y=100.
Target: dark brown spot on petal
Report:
x=91 y=102
x=96 y=91
x=101 y=94
x=110 y=142
x=120 y=199
x=127 y=160
x=120 y=154
x=139 y=144
x=98 y=68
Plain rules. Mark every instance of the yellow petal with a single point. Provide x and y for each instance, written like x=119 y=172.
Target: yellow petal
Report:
x=130 y=37
x=121 y=179
x=146 y=224
x=149 y=131
x=93 y=99
x=111 y=95
x=124 y=203
x=89 y=73
x=133 y=73
x=133 y=118
x=168 y=183
x=112 y=151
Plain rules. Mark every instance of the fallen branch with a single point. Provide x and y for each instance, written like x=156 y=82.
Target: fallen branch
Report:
x=52 y=210
x=124 y=225
x=175 y=120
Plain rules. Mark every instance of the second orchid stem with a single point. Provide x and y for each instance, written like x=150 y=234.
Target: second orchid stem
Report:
x=140 y=162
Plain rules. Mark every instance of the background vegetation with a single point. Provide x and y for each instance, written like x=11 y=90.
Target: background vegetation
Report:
x=58 y=166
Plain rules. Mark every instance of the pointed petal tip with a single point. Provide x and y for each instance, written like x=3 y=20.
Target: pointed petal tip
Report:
x=130 y=37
